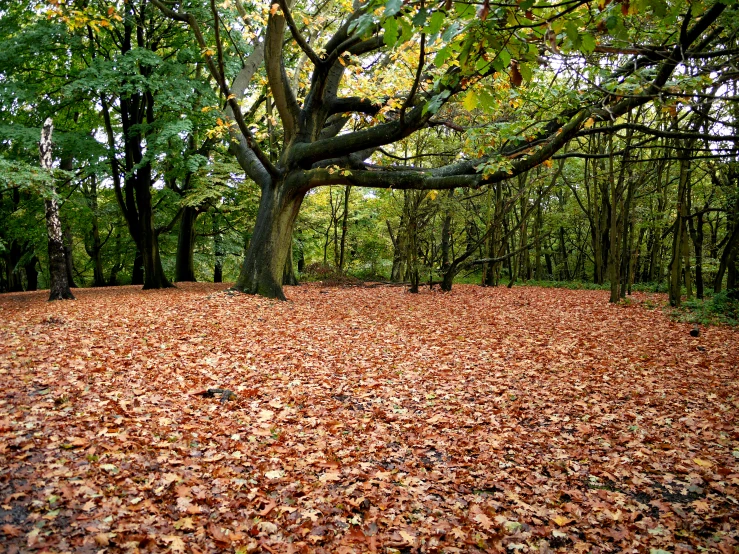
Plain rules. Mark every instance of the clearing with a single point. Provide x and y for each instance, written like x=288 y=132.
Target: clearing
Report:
x=365 y=420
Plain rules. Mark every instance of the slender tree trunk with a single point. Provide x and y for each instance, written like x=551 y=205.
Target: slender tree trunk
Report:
x=59 y=286
x=728 y=253
x=31 y=274
x=678 y=237
x=68 y=260
x=344 y=228
x=94 y=247
x=12 y=269
x=218 y=250
x=396 y=273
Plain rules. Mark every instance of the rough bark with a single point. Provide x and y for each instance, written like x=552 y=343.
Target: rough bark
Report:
x=263 y=268
x=59 y=286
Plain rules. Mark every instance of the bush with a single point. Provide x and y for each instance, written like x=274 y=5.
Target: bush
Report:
x=717 y=309
x=328 y=275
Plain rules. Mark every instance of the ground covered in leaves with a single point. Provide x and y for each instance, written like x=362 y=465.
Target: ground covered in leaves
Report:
x=365 y=420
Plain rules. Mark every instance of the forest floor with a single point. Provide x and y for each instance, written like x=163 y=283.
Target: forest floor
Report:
x=365 y=420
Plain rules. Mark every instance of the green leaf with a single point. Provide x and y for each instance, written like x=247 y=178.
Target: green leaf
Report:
x=437 y=19
x=487 y=101
x=392 y=7
x=659 y=8
x=464 y=54
x=419 y=20
x=442 y=56
x=526 y=72
x=391 y=31
x=504 y=57
x=587 y=43
x=465 y=11
x=450 y=32
x=433 y=105
x=573 y=33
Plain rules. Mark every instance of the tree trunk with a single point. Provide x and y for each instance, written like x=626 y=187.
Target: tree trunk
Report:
x=679 y=232
x=727 y=255
x=93 y=244
x=31 y=274
x=59 y=286
x=218 y=251
x=263 y=268
x=344 y=224
x=12 y=270
x=184 y=268
x=288 y=276
x=154 y=277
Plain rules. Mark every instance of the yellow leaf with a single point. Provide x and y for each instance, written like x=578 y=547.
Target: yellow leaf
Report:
x=703 y=463
x=589 y=123
x=407 y=537
x=176 y=544
x=470 y=100
x=561 y=521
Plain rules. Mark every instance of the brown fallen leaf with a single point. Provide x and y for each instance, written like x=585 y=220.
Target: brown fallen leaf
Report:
x=11 y=530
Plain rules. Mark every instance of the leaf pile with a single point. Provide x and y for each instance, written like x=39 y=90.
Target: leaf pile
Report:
x=365 y=420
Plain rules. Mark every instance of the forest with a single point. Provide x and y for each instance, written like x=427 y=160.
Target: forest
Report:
x=409 y=164
x=590 y=142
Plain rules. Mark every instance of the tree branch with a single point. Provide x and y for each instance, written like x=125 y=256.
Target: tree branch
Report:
x=304 y=46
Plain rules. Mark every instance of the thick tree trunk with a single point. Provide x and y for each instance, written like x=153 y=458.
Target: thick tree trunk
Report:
x=59 y=286
x=184 y=269
x=154 y=277
x=264 y=266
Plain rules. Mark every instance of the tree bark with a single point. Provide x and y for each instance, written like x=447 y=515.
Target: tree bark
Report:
x=344 y=228
x=184 y=269
x=59 y=286
x=31 y=274
x=217 y=250
x=263 y=267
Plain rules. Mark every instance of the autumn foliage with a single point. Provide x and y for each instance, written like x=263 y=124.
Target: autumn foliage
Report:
x=365 y=420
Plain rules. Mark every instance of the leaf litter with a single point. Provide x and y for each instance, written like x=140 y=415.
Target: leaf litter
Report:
x=364 y=420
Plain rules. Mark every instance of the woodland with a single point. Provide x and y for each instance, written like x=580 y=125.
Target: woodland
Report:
x=285 y=242
x=263 y=144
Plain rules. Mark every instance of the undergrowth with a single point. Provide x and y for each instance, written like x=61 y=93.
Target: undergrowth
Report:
x=718 y=309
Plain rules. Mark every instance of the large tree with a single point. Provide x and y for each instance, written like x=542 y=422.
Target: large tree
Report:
x=650 y=39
